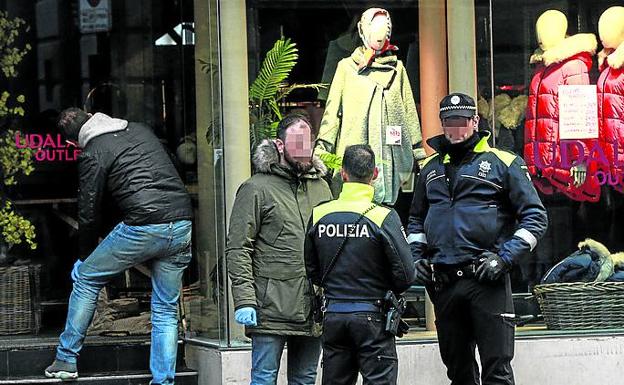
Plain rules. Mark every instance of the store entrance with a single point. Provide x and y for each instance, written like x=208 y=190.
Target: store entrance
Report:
x=129 y=60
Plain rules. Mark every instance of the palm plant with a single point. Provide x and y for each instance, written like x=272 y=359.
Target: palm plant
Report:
x=270 y=87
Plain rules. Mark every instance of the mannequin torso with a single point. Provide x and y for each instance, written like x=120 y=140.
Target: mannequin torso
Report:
x=610 y=88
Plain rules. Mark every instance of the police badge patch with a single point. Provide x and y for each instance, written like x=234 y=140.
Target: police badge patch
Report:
x=484 y=168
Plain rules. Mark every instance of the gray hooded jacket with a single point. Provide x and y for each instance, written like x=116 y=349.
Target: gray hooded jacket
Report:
x=128 y=162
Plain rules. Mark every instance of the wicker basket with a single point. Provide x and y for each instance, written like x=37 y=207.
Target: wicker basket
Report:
x=20 y=310
x=582 y=305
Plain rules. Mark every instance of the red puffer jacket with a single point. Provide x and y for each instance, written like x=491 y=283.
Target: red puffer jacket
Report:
x=611 y=113
x=566 y=64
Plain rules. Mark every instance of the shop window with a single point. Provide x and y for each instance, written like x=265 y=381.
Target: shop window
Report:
x=116 y=68
x=505 y=39
x=566 y=142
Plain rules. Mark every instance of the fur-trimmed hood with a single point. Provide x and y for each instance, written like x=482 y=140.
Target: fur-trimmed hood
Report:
x=568 y=47
x=613 y=58
x=618 y=260
x=591 y=263
x=266 y=155
x=604 y=256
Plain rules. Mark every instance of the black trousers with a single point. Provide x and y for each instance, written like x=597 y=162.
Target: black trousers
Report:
x=357 y=342
x=468 y=314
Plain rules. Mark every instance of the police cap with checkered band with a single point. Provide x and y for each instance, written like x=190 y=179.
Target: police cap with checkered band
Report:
x=457 y=104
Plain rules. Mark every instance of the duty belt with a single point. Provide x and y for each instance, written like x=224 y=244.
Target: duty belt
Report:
x=445 y=274
x=353 y=307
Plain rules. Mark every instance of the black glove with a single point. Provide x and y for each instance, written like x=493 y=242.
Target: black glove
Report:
x=423 y=272
x=491 y=267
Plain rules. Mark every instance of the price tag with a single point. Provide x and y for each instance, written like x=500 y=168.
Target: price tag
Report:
x=578 y=112
x=393 y=135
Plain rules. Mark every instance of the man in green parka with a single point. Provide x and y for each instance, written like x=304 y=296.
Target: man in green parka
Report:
x=264 y=251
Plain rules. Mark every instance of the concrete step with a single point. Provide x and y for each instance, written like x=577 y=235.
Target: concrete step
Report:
x=25 y=357
x=186 y=377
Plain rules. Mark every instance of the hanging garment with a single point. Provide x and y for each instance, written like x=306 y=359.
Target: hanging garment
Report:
x=568 y=63
x=611 y=112
x=361 y=108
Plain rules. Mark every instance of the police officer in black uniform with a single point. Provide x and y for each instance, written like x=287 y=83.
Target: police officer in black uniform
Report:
x=474 y=213
x=357 y=251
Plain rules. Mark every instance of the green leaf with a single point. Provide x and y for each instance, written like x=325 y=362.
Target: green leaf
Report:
x=273 y=105
x=275 y=68
x=14 y=229
x=285 y=91
x=332 y=161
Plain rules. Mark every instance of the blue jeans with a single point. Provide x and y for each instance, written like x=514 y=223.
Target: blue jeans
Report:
x=266 y=353
x=168 y=247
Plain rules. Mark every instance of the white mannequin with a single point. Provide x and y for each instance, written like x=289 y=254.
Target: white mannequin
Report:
x=375 y=28
x=551 y=29
x=611 y=28
x=610 y=82
x=370 y=102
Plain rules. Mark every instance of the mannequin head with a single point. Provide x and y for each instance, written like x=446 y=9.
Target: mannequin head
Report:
x=611 y=27
x=375 y=28
x=551 y=28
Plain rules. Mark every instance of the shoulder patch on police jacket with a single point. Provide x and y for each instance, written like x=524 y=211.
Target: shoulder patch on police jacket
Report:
x=428 y=159
x=321 y=210
x=505 y=156
x=377 y=215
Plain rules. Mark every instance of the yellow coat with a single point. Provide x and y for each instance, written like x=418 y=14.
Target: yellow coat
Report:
x=359 y=108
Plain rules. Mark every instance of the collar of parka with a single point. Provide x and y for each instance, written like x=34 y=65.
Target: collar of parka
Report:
x=568 y=47
x=436 y=143
x=266 y=160
x=613 y=58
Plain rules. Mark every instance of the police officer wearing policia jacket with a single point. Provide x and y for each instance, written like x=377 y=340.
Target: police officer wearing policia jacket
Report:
x=370 y=257
x=475 y=212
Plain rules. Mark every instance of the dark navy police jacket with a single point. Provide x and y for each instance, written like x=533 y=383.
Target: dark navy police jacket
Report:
x=375 y=258
x=491 y=206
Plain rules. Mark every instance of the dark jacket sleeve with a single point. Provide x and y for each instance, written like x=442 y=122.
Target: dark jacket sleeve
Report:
x=416 y=223
x=398 y=252
x=93 y=178
x=310 y=255
x=529 y=212
x=245 y=222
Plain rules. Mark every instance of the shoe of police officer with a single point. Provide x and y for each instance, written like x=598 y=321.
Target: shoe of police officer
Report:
x=63 y=370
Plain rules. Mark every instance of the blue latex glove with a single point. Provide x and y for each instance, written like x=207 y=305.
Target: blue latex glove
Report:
x=246 y=316
x=74 y=272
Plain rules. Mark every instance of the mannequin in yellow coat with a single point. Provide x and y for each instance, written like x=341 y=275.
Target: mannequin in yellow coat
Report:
x=370 y=102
